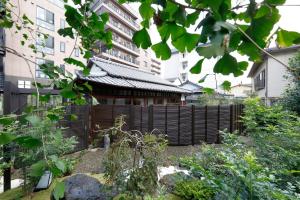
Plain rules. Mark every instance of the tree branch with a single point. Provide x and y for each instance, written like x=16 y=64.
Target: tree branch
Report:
x=263 y=50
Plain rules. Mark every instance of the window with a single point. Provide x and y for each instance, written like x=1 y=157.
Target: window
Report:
x=259 y=81
x=45 y=18
x=138 y=102
x=158 y=101
x=62 y=46
x=183 y=55
x=62 y=23
x=45 y=44
x=24 y=84
x=184 y=77
x=145 y=64
x=39 y=62
x=76 y=52
x=184 y=65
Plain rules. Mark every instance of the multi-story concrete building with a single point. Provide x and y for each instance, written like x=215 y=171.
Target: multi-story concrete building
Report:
x=268 y=77
x=178 y=66
x=123 y=22
x=47 y=17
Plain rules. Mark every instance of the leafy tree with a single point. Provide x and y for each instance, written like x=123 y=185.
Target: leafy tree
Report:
x=222 y=28
x=291 y=98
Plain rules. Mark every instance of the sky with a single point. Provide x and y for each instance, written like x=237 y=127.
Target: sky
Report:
x=290 y=16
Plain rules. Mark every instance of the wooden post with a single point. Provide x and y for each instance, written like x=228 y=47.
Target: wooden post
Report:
x=218 y=124
x=166 y=119
x=231 y=117
x=193 y=124
x=150 y=118
x=205 y=139
x=7 y=107
x=131 y=117
x=178 y=125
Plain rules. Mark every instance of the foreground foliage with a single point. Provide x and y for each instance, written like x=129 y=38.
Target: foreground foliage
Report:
x=132 y=160
x=265 y=168
x=291 y=96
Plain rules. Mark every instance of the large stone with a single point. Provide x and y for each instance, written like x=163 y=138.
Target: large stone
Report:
x=170 y=180
x=83 y=187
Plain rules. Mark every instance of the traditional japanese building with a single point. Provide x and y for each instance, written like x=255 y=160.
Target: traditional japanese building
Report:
x=117 y=84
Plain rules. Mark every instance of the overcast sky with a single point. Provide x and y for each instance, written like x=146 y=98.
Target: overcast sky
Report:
x=290 y=17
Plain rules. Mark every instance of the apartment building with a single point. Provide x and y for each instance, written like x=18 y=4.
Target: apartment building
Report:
x=269 y=77
x=48 y=17
x=178 y=66
x=123 y=22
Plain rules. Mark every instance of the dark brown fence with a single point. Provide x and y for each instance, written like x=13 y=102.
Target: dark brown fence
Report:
x=184 y=125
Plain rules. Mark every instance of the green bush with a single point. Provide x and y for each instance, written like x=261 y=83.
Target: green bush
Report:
x=266 y=168
x=194 y=190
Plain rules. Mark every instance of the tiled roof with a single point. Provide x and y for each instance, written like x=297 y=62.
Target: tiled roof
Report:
x=115 y=74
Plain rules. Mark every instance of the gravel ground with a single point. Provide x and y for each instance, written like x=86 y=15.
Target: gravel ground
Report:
x=91 y=160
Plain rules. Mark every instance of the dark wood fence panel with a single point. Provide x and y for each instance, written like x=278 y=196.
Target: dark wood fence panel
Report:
x=172 y=129
x=79 y=127
x=199 y=124
x=212 y=124
x=185 y=118
x=159 y=119
x=183 y=125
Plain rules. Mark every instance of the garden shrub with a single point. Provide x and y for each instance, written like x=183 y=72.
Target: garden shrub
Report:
x=132 y=159
x=194 y=190
x=268 y=168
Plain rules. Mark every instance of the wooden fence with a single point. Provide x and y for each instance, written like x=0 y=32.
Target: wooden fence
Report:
x=184 y=125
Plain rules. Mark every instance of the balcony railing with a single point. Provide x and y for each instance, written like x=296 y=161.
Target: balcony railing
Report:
x=123 y=56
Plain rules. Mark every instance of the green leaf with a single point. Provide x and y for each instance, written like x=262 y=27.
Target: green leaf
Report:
x=104 y=17
x=28 y=142
x=8 y=119
x=226 y=85
x=192 y=18
x=170 y=28
x=162 y=50
x=196 y=69
x=73 y=117
x=53 y=117
x=228 y=64
x=6 y=138
x=186 y=42
x=203 y=78
x=60 y=165
x=262 y=11
x=37 y=169
x=75 y=62
x=66 y=32
x=146 y=10
x=68 y=92
x=142 y=39
x=287 y=38
x=33 y=120
x=59 y=190
x=275 y=2
x=208 y=91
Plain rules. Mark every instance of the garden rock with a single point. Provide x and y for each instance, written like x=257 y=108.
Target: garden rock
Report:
x=170 y=180
x=81 y=186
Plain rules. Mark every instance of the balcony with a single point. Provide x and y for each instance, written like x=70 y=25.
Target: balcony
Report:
x=119 y=30
x=59 y=3
x=45 y=24
x=45 y=50
x=2 y=42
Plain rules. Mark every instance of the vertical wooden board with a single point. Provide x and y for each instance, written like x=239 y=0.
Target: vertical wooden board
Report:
x=185 y=125
x=224 y=118
x=144 y=120
x=122 y=110
x=102 y=116
x=199 y=124
x=172 y=124
x=159 y=119
x=212 y=124
x=137 y=118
